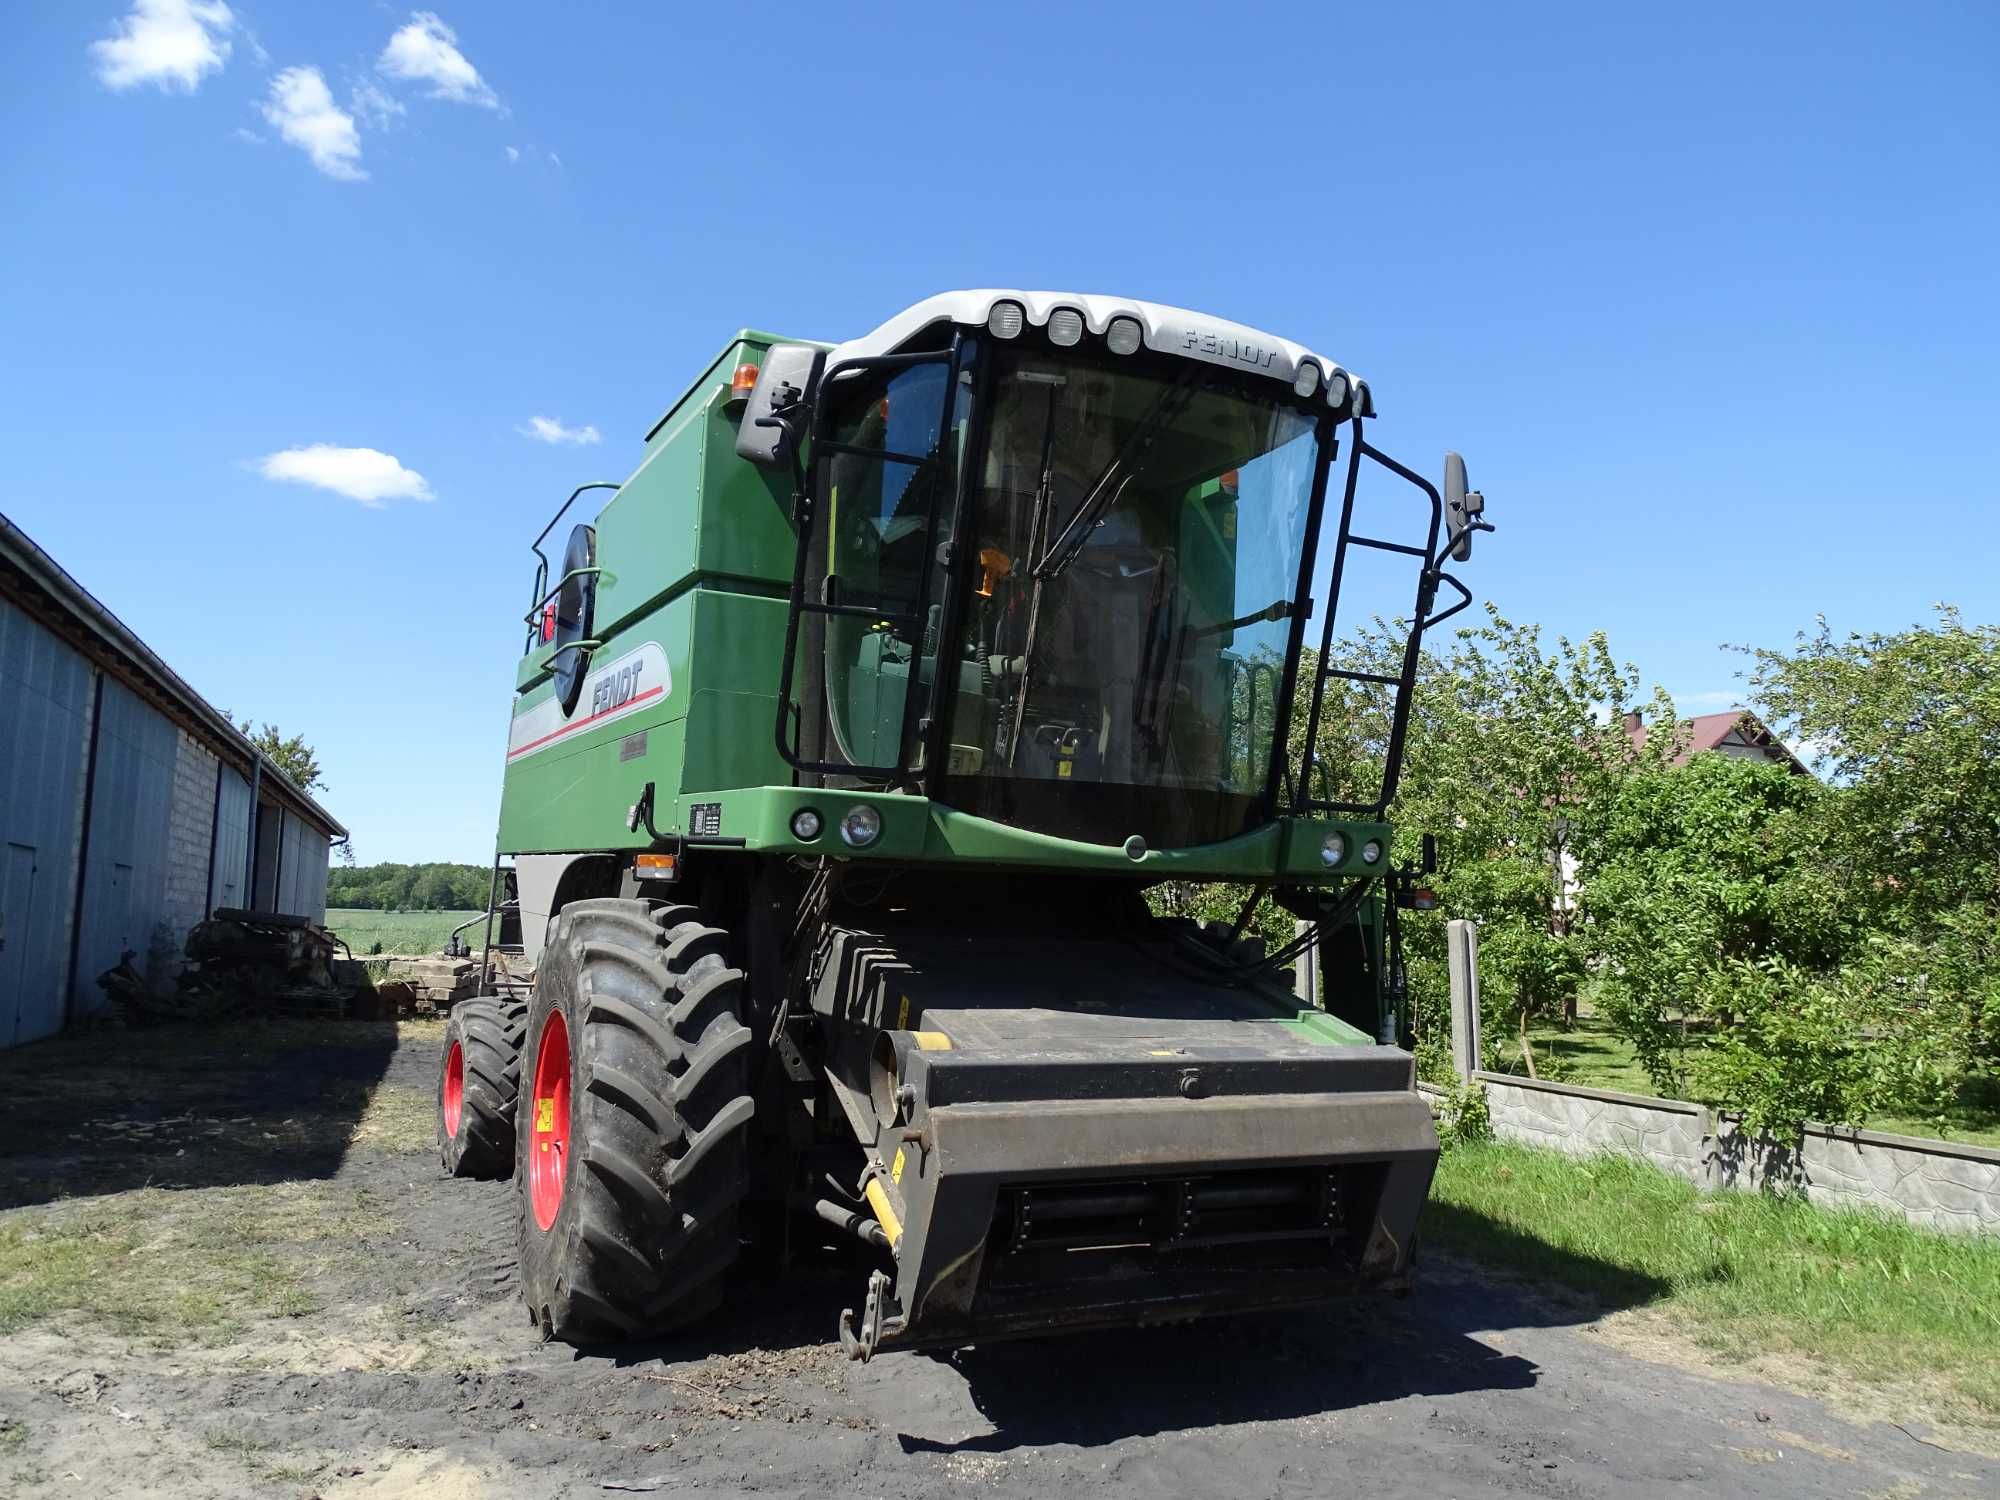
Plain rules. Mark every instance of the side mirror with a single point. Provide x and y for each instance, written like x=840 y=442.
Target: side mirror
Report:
x=1429 y=861
x=774 y=418
x=1462 y=509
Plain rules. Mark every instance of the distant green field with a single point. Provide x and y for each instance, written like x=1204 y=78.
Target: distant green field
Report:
x=396 y=931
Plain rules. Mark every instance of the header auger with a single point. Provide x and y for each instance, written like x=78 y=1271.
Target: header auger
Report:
x=847 y=742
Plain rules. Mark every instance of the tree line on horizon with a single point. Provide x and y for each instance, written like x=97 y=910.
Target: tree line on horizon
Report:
x=394 y=887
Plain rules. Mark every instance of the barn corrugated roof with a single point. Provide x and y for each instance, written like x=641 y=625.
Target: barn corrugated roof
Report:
x=45 y=588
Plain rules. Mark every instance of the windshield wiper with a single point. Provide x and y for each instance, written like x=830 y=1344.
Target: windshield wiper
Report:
x=1106 y=489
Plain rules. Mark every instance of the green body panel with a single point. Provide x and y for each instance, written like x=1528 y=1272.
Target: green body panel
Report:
x=1325 y=1030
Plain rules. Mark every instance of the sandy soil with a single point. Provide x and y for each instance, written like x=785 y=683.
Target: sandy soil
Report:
x=407 y=1366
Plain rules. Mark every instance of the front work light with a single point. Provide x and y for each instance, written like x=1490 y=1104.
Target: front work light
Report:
x=1332 y=850
x=1371 y=852
x=861 y=827
x=806 y=824
x=1123 y=336
x=1005 y=319
x=1307 y=380
x=1065 y=326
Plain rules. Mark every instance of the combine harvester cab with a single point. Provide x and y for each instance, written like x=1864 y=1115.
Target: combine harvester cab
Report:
x=862 y=749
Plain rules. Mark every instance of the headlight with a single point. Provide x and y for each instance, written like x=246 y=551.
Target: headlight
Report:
x=1307 y=380
x=806 y=824
x=1332 y=850
x=861 y=827
x=1371 y=852
x=1004 y=320
x=1065 y=326
x=1123 y=336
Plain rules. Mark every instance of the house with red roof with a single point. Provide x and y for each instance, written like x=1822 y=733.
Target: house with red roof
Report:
x=1737 y=732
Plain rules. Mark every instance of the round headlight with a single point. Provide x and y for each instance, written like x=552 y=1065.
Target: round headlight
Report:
x=861 y=827
x=1005 y=319
x=1123 y=336
x=806 y=824
x=1371 y=851
x=1065 y=326
x=1307 y=380
x=1332 y=850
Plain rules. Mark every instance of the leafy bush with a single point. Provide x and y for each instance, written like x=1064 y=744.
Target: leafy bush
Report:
x=1831 y=1047
x=1464 y=1113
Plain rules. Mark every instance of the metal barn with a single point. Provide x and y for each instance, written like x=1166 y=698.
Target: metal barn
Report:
x=129 y=807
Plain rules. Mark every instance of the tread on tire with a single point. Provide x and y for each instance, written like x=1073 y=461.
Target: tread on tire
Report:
x=660 y=1109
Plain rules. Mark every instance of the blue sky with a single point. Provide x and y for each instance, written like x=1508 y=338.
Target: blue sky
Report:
x=1708 y=298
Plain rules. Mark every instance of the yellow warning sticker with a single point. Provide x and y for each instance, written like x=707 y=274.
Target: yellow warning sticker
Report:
x=896 y=1168
x=545 y=1114
x=903 y=1015
x=1063 y=768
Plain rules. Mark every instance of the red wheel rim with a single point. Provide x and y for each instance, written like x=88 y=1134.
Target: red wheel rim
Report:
x=548 y=1121
x=454 y=1088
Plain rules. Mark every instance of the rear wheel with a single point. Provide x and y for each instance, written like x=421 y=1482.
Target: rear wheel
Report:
x=478 y=1086
x=633 y=1132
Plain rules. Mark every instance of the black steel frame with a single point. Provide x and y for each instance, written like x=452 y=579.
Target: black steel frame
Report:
x=805 y=512
x=1421 y=620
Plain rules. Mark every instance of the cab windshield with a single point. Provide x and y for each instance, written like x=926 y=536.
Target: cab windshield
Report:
x=1136 y=538
x=1124 y=585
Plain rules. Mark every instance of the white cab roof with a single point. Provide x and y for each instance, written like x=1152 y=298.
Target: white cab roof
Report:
x=1169 y=330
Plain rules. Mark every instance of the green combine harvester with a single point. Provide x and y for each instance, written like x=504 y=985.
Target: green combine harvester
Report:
x=848 y=743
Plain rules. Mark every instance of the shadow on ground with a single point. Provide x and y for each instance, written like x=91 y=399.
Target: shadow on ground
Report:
x=1093 y=1389
x=185 y=1106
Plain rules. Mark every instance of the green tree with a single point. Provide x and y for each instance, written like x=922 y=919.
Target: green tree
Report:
x=1515 y=745
x=1907 y=724
x=1910 y=723
x=1694 y=869
x=289 y=753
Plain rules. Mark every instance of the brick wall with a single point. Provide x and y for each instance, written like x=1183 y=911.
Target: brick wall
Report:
x=190 y=836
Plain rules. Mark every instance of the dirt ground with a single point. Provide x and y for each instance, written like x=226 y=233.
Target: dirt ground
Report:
x=230 y=1266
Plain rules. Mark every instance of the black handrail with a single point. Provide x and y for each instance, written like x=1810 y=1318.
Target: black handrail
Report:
x=541 y=590
x=1422 y=618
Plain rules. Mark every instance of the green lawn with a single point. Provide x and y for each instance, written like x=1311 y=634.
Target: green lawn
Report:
x=1865 y=1297
x=397 y=931
x=1596 y=1057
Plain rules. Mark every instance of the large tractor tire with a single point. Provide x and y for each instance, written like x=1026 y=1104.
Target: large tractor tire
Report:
x=634 y=1127
x=478 y=1087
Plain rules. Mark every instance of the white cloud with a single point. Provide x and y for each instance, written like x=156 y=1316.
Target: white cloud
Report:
x=513 y=153
x=365 y=474
x=301 y=109
x=549 y=430
x=171 y=43
x=426 y=51
x=374 y=106
x=247 y=136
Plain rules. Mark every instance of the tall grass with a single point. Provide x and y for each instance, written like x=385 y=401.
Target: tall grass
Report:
x=1865 y=1294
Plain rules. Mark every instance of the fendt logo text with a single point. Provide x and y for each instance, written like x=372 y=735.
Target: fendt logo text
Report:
x=1226 y=348
x=615 y=689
